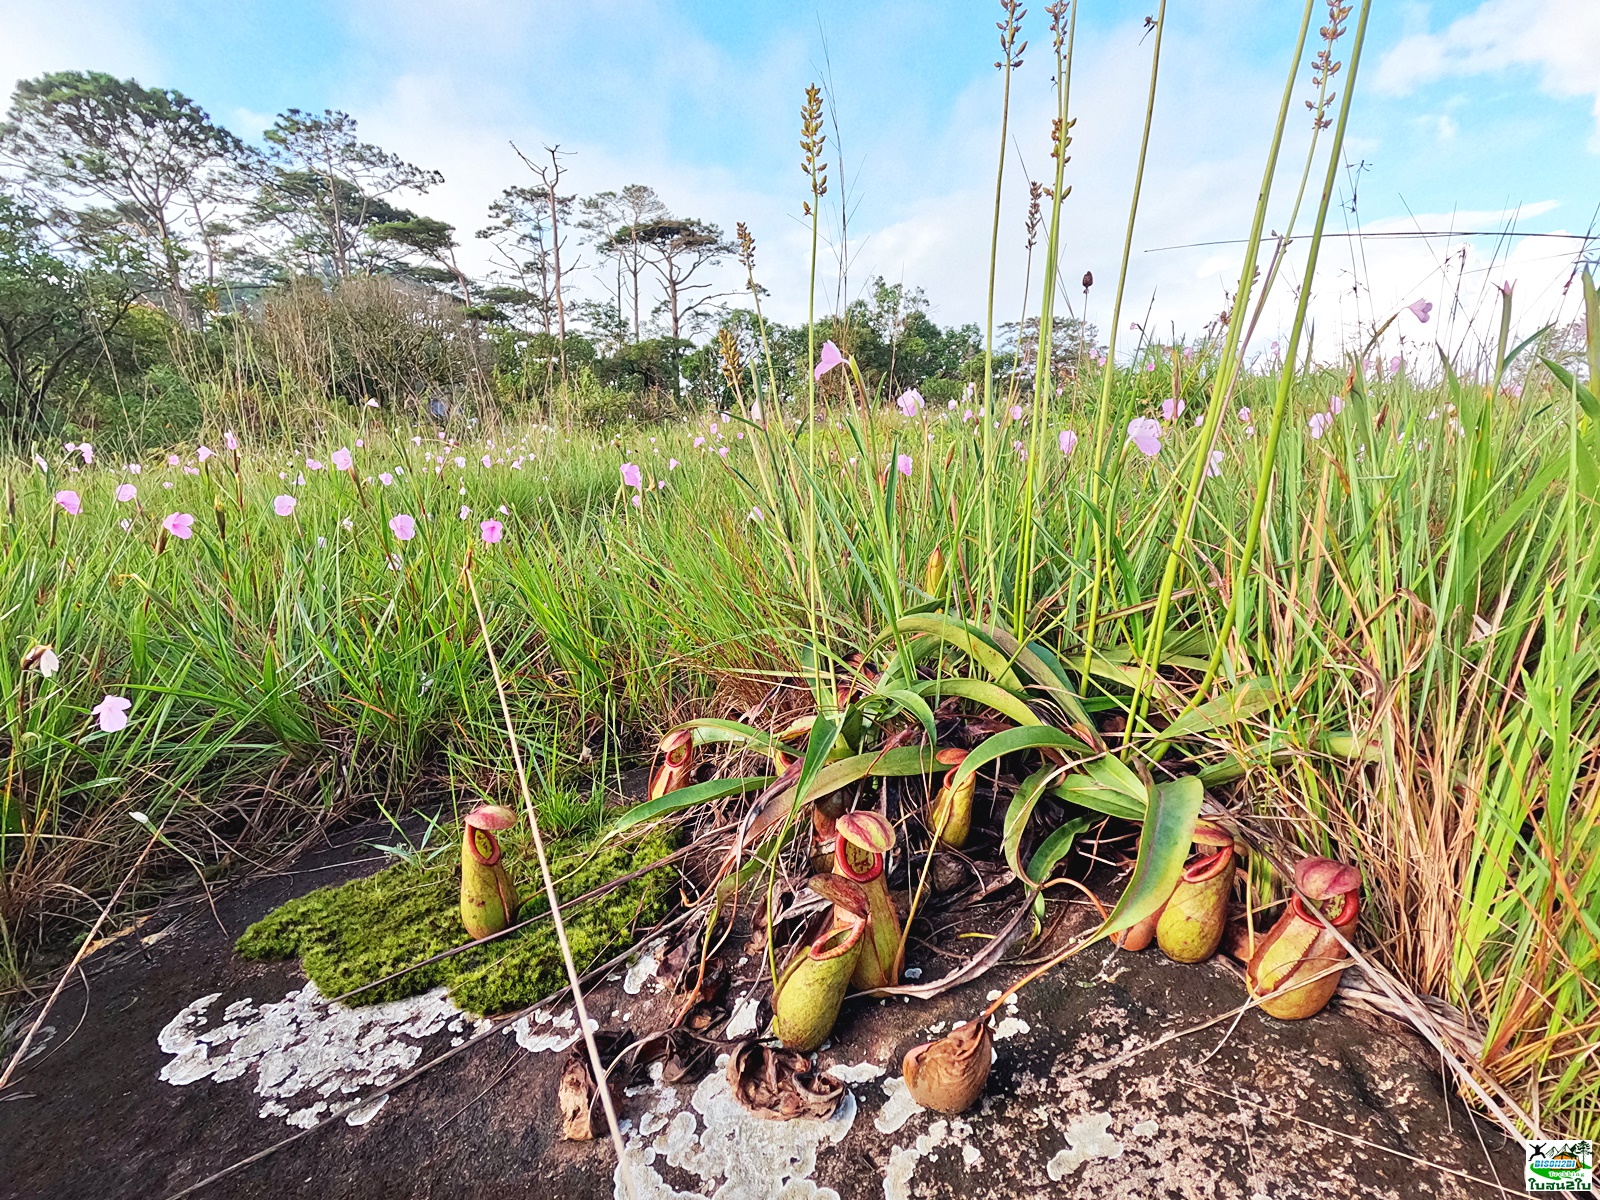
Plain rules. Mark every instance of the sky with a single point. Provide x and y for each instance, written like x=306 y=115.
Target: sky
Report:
x=1470 y=115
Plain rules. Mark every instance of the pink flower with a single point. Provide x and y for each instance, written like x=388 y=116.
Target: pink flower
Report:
x=1395 y=364
x=284 y=506
x=492 y=531
x=1214 y=464
x=1068 y=441
x=203 y=453
x=1420 y=309
x=1244 y=415
x=902 y=464
x=827 y=360
x=135 y=469
x=403 y=527
x=966 y=416
x=464 y=513
x=1336 y=404
x=313 y=465
x=191 y=470
x=228 y=440
x=672 y=464
x=385 y=478
x=1150 y=366
x=69 y=500
x=631 y=476
x=371 y=403
x=342 y=460
x=112 y=712
x=755 y=514
x=722 y=450
x=1145 y=434
x=1016 y=412
x=173 y=460
x=180 y=525
x=698 y=442
x=126 y=492
x=1319 y=422
x=1172 y=409
x=88 y=453
x=637 y=502
x=910 y=402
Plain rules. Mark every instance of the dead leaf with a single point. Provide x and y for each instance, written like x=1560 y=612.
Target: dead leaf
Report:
x=781 y=1084
x=582 y=1114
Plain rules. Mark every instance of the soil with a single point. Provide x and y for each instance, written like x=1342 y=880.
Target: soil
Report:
x=1083 y=1100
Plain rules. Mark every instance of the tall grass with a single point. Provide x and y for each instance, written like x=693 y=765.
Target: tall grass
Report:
x=1412 y=571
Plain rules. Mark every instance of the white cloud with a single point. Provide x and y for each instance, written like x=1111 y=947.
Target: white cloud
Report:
x=1558 y=38
x=70 y=35
x=649 y=92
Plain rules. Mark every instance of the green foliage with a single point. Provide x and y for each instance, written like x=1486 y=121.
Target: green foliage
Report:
x=350 y=935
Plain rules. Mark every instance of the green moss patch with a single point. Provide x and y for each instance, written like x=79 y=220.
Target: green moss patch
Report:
x=352 y=934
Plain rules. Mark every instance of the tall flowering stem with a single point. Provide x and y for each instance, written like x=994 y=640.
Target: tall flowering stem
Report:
x=1010 y=60
x=582 y=1010
x=1280 y=407
x=1221 y=394
x=1102 y=419
x=812 y=139
x=1061 y=138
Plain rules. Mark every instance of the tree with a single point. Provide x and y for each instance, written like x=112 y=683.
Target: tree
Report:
x=520 y=238
x=431 y=239
x=145 y=163
x=557 y=208
x=678 y=248
x=328 y=190
x=55 y=317
x=610 y=214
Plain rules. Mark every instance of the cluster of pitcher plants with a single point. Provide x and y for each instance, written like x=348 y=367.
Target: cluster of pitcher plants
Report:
x=908 y=719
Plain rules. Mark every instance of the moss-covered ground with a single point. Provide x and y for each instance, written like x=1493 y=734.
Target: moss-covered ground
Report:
x=352 y=934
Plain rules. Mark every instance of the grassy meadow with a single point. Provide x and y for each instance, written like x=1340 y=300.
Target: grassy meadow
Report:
x=1425 y=584
x=1366 y=593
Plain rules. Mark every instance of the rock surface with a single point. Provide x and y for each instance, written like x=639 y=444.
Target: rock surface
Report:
x=181 y=1059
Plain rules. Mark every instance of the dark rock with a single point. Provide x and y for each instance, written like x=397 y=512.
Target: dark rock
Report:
x=1085 y=1097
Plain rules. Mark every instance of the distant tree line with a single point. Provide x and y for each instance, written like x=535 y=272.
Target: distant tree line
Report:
x=153 y=262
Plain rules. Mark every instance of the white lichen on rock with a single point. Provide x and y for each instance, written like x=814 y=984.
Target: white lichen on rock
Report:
x=1087 y=1137
x=898 y=1108
x=741 y=1155
x=306 y=1047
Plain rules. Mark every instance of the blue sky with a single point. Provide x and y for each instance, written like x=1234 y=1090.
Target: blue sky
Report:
x=1469 y=113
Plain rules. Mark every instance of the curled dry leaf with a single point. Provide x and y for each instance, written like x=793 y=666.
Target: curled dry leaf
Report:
x=948 y=1075
x=582 y=1114
x=781 y=1084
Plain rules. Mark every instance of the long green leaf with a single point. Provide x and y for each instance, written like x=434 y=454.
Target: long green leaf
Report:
x=980 y=691
x=1054 y=848
x=687 y=797
x=1239 y=704
x=1163 y=848
x=967 y=640
x=1010 y=741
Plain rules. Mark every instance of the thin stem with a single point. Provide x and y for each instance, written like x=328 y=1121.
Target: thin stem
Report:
x=1280 y=406
x=624 y=1168
x=1221 y=391
x=1108 y=371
